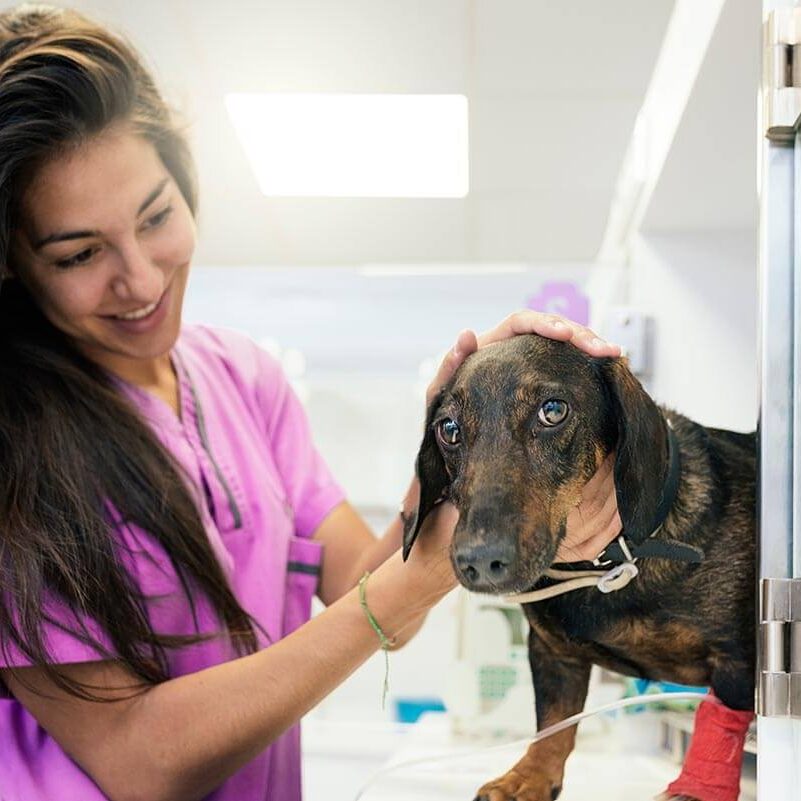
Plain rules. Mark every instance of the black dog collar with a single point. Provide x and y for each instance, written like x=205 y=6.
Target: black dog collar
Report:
x=632 y=545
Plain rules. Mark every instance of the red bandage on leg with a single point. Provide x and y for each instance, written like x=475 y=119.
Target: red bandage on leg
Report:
x=714 y=760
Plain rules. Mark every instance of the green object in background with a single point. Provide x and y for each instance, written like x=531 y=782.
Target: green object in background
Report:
x=495 y=681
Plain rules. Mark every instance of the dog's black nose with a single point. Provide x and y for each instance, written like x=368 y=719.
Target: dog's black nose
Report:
x=484 y=567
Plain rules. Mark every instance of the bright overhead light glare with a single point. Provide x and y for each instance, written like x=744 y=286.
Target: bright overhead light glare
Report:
x=340 y=145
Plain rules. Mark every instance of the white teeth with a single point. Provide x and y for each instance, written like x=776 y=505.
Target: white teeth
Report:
x=139 y=313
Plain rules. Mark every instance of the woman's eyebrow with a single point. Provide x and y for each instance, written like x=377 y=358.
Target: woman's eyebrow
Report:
x=62 y=237
x=153 y=195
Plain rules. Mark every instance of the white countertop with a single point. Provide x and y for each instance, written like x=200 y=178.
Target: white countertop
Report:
x=606 y=766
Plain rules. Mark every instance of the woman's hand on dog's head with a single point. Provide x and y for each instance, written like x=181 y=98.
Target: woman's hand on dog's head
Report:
x=552 y=326
x=466 y=343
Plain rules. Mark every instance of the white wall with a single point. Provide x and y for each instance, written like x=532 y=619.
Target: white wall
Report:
x=701 y=289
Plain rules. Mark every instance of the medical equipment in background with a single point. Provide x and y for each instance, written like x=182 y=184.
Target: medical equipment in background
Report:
x=490 y=693
x=634 y=332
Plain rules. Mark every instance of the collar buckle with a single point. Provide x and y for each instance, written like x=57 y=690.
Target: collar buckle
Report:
x=618 y=547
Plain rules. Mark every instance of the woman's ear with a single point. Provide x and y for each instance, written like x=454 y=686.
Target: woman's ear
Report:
x=433 y=478
x=641 y=452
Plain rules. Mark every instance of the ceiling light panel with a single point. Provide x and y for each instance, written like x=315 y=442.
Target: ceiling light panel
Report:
x=348 y=145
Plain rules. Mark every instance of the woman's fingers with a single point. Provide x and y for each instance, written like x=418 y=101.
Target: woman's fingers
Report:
x=595 y=522
x=465 y=345
x=598 y=496
x=552 y=326
x=590 y=548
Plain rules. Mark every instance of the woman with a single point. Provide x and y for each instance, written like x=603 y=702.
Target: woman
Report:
x=164 y=516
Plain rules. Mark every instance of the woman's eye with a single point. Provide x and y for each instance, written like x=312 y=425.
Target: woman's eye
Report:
x=448 y=432
x=552 y=412
x=158 y=219
x=78 y=258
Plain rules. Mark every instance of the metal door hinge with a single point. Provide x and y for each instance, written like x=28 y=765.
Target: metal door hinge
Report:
x=781 y=74
x=779 y=656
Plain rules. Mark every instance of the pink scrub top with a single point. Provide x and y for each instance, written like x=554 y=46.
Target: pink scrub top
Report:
x=262 y=491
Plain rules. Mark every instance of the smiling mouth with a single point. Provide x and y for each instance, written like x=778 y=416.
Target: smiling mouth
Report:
x=138 y=314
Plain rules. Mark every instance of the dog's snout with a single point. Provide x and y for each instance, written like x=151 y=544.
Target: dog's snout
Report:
x=484 y=566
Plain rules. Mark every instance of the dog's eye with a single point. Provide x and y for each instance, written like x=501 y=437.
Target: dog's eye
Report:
x=448 y=432
x=552 y=412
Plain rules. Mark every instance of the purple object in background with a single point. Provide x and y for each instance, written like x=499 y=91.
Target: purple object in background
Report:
x=562 y=297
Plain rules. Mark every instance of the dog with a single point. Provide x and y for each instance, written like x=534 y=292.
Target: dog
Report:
x=511 y=441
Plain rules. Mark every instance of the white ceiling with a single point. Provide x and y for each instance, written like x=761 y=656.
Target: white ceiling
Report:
x=553 y=87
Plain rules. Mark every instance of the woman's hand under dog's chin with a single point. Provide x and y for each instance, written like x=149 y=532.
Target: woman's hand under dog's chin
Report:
x=595 y=522
x=430 y=558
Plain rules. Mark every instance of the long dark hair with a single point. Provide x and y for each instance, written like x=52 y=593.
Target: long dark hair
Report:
x=71 y=446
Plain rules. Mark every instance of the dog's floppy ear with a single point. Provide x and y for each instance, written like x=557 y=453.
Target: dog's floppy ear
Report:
x=641 y=451
x=433 y=477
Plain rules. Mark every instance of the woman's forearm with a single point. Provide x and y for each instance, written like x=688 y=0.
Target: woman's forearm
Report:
x=183 y=738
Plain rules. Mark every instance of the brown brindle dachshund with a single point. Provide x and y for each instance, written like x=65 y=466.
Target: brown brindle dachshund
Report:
x=511 y=441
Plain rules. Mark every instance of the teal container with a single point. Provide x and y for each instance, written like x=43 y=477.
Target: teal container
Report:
x=408 y=710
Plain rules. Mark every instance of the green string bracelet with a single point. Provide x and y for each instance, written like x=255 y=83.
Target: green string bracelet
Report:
x=386 y=642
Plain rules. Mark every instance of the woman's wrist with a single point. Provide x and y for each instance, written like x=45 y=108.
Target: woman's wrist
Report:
x=398 y=593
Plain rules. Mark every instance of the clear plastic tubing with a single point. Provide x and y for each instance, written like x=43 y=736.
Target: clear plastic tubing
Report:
x=636 y=700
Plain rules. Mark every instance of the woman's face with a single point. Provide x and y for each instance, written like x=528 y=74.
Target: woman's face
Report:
x=104 y=249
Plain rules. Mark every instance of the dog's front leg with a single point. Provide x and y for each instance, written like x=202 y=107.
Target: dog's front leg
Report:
x=560 y=689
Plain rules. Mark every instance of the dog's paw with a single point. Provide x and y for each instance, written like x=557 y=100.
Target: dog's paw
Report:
x=516 y=786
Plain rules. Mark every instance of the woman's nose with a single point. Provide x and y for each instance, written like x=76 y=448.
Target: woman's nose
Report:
x=137 y=276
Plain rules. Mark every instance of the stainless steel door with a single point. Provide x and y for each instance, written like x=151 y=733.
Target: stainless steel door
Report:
x=779 y=701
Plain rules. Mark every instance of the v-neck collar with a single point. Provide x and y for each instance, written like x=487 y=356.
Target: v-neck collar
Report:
x=190 y=425
x=156 y=409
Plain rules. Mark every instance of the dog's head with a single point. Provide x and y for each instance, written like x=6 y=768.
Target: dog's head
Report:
x=513 y=439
